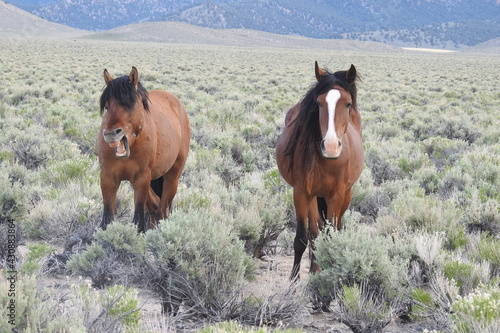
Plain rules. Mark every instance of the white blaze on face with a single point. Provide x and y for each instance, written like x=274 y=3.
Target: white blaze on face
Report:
x=331 y=144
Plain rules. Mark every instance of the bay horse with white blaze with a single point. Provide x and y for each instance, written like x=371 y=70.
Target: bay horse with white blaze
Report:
x=144 y=138
x=320 y=154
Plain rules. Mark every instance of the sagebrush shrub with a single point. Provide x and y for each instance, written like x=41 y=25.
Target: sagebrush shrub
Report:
x=197 y=260
x=418 y=212
x=363 y=310
x=356 y=256
x=115 y=256
x=482 y=216
x=488 y=249
x=479 y=311
x=467 y=276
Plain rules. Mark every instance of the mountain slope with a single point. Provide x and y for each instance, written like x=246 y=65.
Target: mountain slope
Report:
x=15 y=22
x=444 y=23
x=183 y=33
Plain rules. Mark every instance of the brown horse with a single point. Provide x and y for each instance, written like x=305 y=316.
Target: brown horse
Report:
x=320 y=154
x=144 y=138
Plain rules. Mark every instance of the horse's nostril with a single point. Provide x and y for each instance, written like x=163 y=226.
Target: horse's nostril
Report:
x=340 y=144
x=118 y=131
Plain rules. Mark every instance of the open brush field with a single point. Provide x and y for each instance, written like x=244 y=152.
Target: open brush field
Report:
x=420 y=250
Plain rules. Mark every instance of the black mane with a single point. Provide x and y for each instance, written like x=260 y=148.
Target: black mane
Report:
x=122 y=90
x=306 y=129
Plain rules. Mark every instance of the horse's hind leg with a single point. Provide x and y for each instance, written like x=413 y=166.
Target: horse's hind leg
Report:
x=170 y=185
x=345 y=205
x=337 y=207
x=153 y=205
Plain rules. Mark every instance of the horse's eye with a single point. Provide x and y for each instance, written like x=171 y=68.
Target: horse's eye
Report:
x=319 y=104
x=349 y=105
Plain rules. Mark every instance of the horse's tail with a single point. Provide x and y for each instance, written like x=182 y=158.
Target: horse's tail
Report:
x=157 y=186
x=322 y=209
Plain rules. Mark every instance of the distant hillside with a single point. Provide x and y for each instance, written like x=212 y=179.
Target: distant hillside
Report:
x=431 y=23
x=182 y=33
x=15 y=22
x=491 y=46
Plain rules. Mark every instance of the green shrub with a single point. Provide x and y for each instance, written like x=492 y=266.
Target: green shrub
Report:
x=428 y=178
x=13 y=203
x=418 y=212
x=479 y=311
x=481 y=168
x=115 y=256
x=122 y=303
x=196 y=260
x=37 y=308
x=63 y=211
x=60 y=173
x=363 y=310
x=444 y=152
x=467 y=276
x=353 y=257
x=423 y=304
x=482 y=216
x=381 y=167
x=488 y=249
x=33 y=258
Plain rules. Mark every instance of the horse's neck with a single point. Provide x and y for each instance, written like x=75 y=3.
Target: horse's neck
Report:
x=356 y=119
x=292 y=114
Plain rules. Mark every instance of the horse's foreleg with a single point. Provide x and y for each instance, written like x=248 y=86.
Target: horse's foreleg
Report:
x=141 y=193
x=108 y=190
x=315 y=225
x=301 y=239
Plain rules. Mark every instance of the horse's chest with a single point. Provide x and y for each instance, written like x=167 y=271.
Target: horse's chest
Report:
x=327 y=180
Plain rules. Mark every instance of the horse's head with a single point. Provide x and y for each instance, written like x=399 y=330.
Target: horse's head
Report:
x=336 y=97
x=124 y=104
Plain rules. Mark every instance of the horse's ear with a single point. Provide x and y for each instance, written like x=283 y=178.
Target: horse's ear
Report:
x=107 y=77
x=134 y=77
x=351 y=75
x=318 y=71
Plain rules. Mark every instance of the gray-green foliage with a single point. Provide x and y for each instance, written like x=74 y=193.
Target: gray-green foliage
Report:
x=75 y=308
x=196 y=259
x=354 y=257
x=191 y=258
x=115 y=256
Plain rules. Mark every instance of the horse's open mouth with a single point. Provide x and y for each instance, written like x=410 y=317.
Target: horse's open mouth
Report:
x=122 y=149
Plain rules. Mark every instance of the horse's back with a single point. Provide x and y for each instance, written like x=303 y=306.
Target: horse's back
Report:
x=166 y=104
x=173 y=130
x=169 y=104
x=356 y=152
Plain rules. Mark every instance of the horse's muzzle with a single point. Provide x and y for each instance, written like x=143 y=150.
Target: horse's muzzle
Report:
x=331 y=152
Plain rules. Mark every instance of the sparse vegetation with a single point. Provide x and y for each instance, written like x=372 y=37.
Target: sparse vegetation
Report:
x=424 y=223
